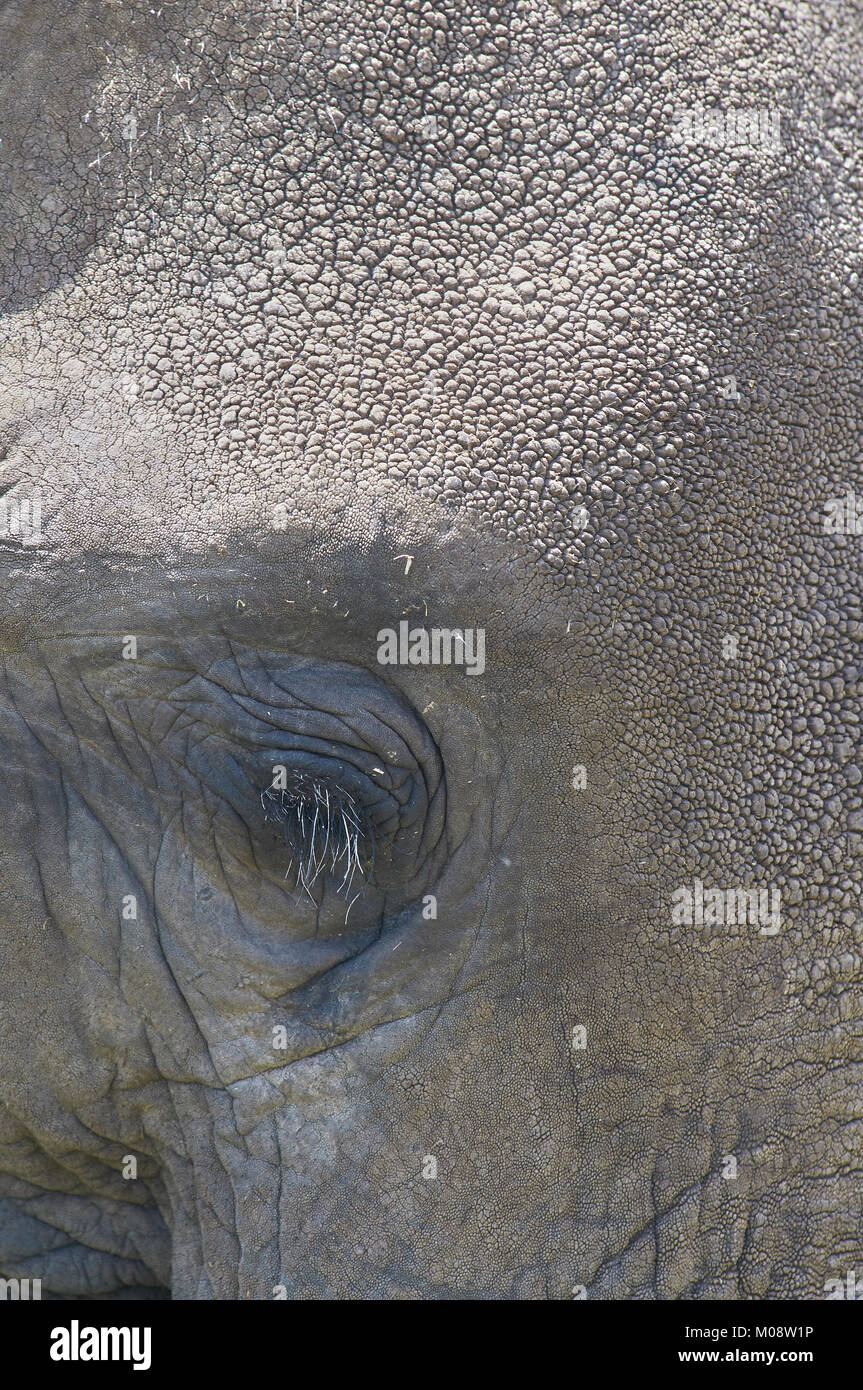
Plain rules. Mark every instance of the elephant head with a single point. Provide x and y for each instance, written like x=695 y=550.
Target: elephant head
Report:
x=429 y=715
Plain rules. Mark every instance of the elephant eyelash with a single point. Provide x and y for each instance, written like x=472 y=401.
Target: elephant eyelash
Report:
x=326 y=830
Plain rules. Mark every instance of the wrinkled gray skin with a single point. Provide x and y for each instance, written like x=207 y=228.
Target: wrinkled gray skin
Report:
x=439 y=341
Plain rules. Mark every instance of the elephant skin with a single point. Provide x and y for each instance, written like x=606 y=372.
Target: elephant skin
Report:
x=324 y=319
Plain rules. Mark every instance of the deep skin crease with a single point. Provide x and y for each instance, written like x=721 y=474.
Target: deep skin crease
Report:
x=358 y=319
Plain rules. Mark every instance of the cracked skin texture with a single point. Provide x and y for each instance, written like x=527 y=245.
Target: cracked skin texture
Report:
x=434 y=278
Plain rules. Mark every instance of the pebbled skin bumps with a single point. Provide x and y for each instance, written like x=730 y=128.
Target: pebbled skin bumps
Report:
x=318 y=318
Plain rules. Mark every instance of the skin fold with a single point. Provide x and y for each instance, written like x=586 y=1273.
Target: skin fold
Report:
x=319 y=318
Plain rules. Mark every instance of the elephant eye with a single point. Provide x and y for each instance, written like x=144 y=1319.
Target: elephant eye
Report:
x=327 y=832
x=298 y=787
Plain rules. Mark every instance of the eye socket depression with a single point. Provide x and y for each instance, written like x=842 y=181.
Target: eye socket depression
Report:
x=205 y=730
